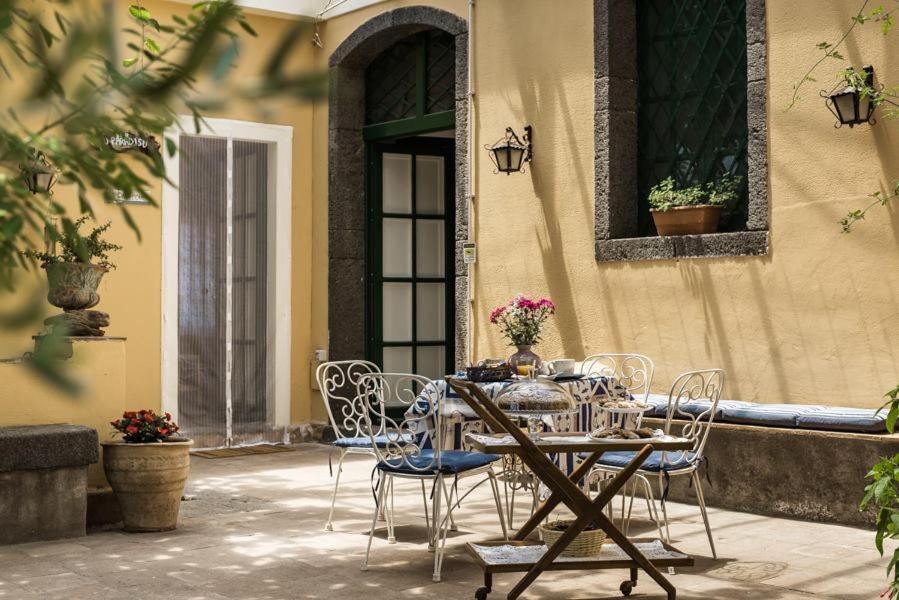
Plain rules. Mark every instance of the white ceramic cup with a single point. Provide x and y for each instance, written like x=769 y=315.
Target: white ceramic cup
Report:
x=562 y=366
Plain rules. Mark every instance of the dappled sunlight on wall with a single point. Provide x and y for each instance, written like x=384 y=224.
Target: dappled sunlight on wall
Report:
x=809 y=323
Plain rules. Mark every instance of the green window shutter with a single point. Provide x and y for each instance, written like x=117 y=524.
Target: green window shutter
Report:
x=692 y=122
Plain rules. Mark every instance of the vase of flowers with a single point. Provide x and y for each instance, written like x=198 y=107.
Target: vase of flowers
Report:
x=147 y=469
x=520 y=322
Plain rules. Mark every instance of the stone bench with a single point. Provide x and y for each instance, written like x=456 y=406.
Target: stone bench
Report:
x=808 y=474
x=43 y=481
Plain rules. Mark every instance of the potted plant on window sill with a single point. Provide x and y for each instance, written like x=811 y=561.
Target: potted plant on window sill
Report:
x=147 y=470
x=692 y=210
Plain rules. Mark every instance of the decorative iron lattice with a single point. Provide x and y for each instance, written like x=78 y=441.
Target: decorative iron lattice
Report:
x=692 y=97
x=440 y=78
x=390 y=83
x=414 y=77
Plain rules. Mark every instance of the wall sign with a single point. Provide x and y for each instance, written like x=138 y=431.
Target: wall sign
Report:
x=469 y=253
x=134 y=198
x=128 y=141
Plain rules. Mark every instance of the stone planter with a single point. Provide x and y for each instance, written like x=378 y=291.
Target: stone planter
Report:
x=687 y=220
x=148 y=481
x=73 y=286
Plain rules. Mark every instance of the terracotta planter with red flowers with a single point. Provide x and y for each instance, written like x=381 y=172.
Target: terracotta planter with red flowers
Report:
x=147 y=470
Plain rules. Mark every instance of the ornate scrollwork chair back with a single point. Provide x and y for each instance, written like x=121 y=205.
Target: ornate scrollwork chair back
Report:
x=696 y=388
x=338 y=381
x=402 y=439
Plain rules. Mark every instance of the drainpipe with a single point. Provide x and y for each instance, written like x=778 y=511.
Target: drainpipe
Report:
x=471 y=178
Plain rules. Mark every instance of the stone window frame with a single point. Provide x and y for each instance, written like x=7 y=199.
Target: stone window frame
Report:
x=615 y=126
x=346 y=180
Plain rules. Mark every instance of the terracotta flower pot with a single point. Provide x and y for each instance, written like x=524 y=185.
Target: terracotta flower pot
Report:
x=148 y=481
x=687 y=220
x=73 y=286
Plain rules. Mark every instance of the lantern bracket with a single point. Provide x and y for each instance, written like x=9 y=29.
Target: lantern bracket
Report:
x=850 y=86
x=509 y=141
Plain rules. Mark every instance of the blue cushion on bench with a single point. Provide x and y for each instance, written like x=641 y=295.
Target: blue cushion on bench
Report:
x=837 y=418
x=659 y=402
x=777 y=415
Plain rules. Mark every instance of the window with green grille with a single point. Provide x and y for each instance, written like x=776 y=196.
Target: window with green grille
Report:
x=692 y=125
x=414 y=77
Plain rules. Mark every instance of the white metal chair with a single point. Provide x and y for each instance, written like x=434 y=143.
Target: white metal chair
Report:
x=631 y=373
x=338 y=382
x=412 y=448
x=698 y=391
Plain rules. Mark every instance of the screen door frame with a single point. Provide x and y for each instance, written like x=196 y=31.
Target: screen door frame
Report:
x=280 y=215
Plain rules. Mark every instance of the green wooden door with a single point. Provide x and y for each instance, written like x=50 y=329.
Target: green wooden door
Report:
x=410 y=264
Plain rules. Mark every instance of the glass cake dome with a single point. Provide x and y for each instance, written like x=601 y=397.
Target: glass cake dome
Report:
x=535 y=398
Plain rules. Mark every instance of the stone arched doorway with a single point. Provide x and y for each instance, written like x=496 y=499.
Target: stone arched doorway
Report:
x=346 y=172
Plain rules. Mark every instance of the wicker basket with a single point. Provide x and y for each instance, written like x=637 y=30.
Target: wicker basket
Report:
x=487 y=374
x=585 y=544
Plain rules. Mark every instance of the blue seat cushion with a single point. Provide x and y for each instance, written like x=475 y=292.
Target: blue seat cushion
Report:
x=451 y=462
x=673 y=460
x=365 y=441
x=836 y=418
x=696 y=408
x=776 y=415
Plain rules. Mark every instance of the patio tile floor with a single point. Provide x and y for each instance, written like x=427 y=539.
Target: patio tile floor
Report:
x=254 y=531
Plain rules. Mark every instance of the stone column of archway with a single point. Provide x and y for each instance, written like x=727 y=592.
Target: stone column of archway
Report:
x=346 y=171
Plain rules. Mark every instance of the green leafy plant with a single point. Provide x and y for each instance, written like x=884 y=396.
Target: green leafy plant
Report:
x=883 y=495
x=76 y=248
x=665 y=195
x=74 y=78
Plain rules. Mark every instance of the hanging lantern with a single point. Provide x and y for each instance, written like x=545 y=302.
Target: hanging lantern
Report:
x=511 y=152
x=853 y=104
x=39 y=174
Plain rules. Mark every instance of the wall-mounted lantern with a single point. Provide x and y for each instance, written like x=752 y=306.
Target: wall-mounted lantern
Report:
x=853 y=103
x=511 y=152
x=39 y=174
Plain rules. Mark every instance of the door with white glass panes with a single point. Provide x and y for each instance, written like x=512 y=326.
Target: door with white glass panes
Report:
x=410 y=257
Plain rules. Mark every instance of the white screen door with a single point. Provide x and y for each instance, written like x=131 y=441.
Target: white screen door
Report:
x=228 y=322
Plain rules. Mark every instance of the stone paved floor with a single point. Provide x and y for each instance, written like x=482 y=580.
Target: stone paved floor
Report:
x=254 y=532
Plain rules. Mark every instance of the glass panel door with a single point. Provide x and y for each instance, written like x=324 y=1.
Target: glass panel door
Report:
x=411 y=266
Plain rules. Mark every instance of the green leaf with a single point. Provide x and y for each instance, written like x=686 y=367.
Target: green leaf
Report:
x=139 y=12
x=170 y=146
x=247 y=27
x=129 y=62
x=151 y=45
x=49 y=38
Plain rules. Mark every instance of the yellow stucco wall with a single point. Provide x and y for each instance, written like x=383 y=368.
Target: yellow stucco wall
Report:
x=131 y=294
x=98 y=366
x=814 y=321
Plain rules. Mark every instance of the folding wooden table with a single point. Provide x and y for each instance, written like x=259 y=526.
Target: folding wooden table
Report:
x=521 y=555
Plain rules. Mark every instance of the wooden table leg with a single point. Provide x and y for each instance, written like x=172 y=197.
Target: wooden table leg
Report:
x=585 y=511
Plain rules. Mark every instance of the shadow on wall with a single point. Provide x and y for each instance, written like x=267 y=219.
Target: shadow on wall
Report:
x=543 y=102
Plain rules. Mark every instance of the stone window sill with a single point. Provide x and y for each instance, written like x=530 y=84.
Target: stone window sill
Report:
x=738 y=243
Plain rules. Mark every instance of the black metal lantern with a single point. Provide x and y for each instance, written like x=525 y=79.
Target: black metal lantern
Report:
x=511 y=152
x=39 y=174
x=853 y=104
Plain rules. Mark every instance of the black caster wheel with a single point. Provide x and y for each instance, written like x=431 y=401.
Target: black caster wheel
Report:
x=626 y=587
x=481 y=594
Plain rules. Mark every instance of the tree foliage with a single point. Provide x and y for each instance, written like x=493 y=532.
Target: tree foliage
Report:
x=75 y=77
